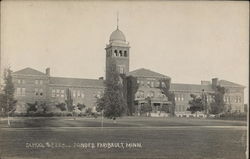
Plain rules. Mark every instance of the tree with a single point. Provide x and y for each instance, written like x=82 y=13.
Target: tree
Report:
x=165 y=108
x=218 y=105
x=62 y=106
x=81 y=106
x=196 y=104
x=165 y=86
x=7 y=100
x=113 y=101
x=69 y=101
x=204 y=101
x=132 y=87
x=32 y=107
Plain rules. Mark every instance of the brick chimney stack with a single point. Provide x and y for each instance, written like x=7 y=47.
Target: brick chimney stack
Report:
x=48 y=71
x=215 y=82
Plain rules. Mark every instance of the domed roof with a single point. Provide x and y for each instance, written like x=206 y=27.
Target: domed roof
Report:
x=117 y=35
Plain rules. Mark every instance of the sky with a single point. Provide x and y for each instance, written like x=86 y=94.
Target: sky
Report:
x=188 y=41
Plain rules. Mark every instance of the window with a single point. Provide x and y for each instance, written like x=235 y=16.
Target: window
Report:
x=36 y=91
x=125 y=53
x=18 y=91
x=23 y=81
x=82 y=95
x=41 y=81
x=53 y=92
x=163 y=84
x=182 y=98
x=121 y=69
x=157 y=84
x=138 y=81
x=74 y=94
x=120 y=52
x=36 y=81
x=148 y=82
x=239 y=99
x=23 y=91
x=116 y=53
x=18 y=81
x=152 y=84
x=41 y=92
x=78 y=93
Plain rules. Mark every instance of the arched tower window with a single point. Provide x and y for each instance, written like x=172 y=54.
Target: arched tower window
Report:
x=125 y=53
x=116 y=53
x=120 y=52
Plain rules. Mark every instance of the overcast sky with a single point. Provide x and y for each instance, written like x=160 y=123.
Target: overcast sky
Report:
x=188 y=41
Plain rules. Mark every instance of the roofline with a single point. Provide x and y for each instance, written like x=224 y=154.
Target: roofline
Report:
x=159 y=76
x=77 y=78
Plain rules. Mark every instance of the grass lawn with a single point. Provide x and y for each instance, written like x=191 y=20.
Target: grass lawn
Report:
x=158 y=137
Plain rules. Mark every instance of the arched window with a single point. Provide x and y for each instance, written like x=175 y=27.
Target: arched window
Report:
x=120 y=52
x=116 y=53
x=125 y=53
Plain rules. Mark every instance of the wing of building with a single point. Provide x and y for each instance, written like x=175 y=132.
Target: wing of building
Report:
x=35 y=86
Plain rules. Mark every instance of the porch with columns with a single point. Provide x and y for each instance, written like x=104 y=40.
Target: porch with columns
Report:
x=156 y=105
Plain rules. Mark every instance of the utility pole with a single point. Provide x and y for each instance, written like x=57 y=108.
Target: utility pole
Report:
x=102 y=119
x=204 y=102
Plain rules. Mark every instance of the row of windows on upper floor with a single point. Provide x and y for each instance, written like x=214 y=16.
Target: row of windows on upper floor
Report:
x=22 y=91
x=22 y=81
x=75 y=93
x=141 y=94
x=236 y=99
x=118 y=53
x=151 y=83
x=181 y=97
x=227 y=99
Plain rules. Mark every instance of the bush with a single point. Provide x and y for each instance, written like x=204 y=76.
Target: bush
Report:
x=232 y=116
x=88 y=111
x=61 y=106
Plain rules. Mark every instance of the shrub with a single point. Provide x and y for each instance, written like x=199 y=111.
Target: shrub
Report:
x=61 y=106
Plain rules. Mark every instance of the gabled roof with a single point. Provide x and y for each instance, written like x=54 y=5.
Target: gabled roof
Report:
x=142 y=72
x=62 y=81
x=189 y=87
x=225 y=83
x=29 y=71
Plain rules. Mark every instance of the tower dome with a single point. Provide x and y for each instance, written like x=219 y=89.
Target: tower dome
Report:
x=117 y=36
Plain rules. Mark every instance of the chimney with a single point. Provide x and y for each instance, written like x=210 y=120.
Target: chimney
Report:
x=214 y=82
x=48 y=71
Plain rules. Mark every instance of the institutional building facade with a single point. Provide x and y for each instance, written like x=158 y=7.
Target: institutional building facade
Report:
x=35 y=86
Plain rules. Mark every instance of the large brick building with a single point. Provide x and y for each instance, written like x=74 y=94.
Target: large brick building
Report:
x=32 y=85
